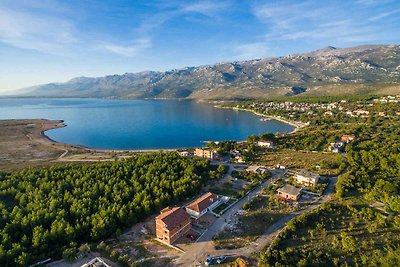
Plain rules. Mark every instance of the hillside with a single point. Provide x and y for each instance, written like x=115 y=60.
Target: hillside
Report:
x=328 y=71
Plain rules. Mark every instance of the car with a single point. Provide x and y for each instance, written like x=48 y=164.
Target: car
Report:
x=209 y=260
x=221 y=259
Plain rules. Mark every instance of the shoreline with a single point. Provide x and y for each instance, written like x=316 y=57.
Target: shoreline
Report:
x=39 y=135
x=36 y=132
x=298 y=125
x=55 y=124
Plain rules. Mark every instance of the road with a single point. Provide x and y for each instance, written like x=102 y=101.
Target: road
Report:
x=204 y=246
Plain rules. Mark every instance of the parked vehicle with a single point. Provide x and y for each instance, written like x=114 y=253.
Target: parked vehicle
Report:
x=209 y=260
x=221 y=259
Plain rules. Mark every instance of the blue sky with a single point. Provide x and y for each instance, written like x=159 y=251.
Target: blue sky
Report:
x=53 y=40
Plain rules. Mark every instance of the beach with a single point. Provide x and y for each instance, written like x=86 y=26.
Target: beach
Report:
x=296 y=124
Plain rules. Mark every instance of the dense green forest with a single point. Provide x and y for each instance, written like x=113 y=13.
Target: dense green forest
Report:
x=47 y=211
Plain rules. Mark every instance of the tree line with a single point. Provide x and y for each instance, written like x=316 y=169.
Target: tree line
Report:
x=47 y=211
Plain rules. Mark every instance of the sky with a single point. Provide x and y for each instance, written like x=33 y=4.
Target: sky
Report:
x=54 y=41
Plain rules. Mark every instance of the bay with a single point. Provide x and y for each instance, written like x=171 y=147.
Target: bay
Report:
x=139 y=124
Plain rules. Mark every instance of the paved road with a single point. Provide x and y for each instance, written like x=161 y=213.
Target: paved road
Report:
x=198 y=251
x=204 y=246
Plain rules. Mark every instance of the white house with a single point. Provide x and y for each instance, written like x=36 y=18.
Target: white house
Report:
x=184 y=153
x=264 y=143
x=203 y=204
x=256 y=169
x=306 y=178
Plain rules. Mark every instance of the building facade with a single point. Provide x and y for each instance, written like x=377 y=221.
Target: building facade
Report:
x=204 y=153
x=306 y=178
x=171 y=224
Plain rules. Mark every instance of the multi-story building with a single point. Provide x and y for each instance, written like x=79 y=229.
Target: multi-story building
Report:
x=171 y=224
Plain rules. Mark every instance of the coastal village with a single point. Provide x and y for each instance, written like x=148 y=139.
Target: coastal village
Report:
x=200 y=133
x=194 y=229
x=190 y=230
x=257 y=190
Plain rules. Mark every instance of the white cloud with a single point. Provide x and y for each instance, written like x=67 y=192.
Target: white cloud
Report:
x=384 y=15
x=250 y=51
x=373 y=2
x=206 y=8
x=130 y=50
x=320 y=24
x=36 y=32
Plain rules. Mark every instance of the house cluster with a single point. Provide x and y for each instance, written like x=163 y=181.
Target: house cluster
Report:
x=291 y=106
x=292 y=193
x=358 y=113
x=174 y=222
x=338 y=146
x=388 y=99
x=294 y=109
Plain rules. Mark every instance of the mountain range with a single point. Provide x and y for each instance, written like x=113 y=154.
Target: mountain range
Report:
x=327 y=71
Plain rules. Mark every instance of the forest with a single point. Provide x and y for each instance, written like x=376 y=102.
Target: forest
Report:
x=45 y=212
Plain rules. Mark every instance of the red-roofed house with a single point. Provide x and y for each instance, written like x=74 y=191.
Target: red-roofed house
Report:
x=348 y=138
x=203 y=204
x=171 y=224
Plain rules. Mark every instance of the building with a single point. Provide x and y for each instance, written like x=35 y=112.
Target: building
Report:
x=348 y=138
x=264 y=143
x=336 y=147
x=204 y=153
x=171 y=224
x=184 y=153
x=203 y=204
x=306 y=178
x=256 y=169
x=289 y=192
x=240 y=159
x=279 y=166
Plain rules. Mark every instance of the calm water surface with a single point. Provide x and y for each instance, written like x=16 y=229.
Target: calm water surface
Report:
x=139 y=124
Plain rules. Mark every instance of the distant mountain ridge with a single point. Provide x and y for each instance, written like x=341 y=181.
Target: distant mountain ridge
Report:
x=330 y=70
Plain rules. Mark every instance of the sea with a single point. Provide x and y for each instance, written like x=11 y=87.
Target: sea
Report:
x=139 y=124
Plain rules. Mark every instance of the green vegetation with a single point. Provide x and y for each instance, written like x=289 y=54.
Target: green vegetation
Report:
x=49 y=212
x=351 y=231
x=254 y=178
x=261 y=213
x=337 y=235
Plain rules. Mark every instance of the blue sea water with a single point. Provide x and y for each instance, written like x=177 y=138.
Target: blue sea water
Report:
x=139 y=124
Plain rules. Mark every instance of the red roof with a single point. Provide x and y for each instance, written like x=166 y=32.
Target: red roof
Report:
x=172 y=217
x=203 y=202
